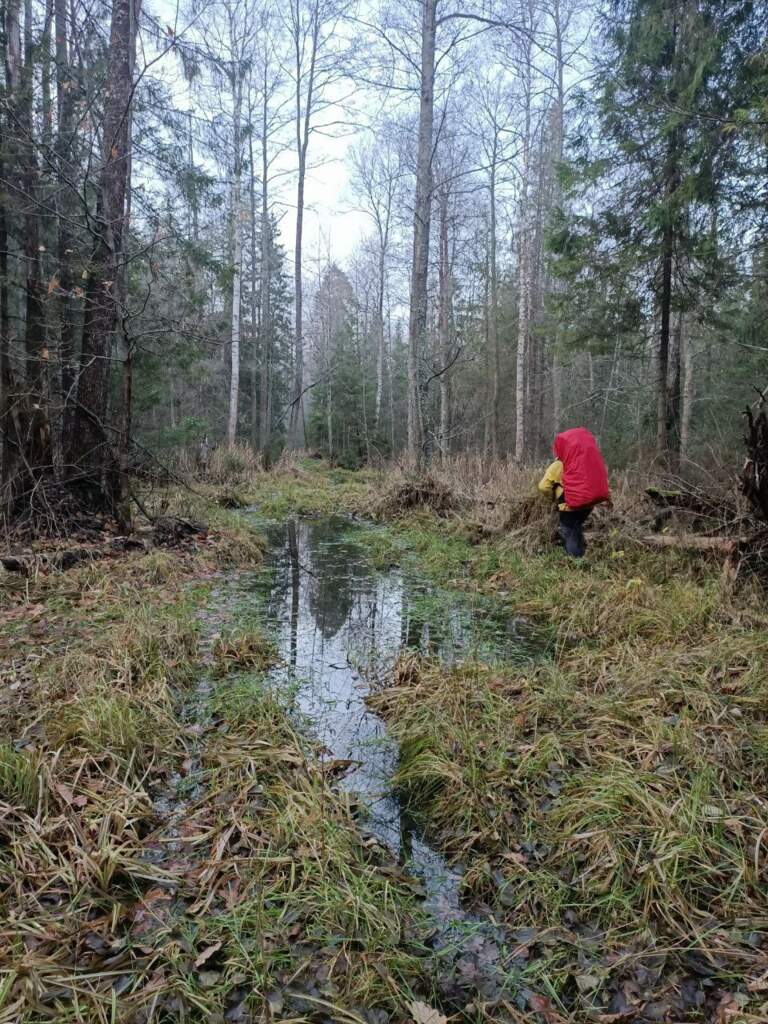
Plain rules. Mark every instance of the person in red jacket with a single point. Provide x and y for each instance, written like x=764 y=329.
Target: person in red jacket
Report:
x=577 y=480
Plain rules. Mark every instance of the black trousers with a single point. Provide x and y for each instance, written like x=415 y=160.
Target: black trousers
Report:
x=572 y=532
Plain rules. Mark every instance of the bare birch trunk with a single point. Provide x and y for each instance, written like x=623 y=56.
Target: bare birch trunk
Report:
x=237 y=254
x=493 y=312
x=380 y=342
x=417 y=326
x=558 y=131
x=255 y=327
x=445 y=319
x=524 y=283
x=265 y=334
x=523 y=321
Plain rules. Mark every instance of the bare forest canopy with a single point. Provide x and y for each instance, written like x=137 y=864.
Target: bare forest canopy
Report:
x=560 y=217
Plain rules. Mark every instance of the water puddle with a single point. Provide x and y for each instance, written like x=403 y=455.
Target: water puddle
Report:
x=339 y=626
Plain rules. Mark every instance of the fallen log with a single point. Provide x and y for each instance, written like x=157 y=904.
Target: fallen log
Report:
x=60 y=561
x=687 y=542
x=170 y=531
x=700 y=510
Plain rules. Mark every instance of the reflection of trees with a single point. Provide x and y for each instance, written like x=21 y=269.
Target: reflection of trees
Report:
x=335 y=567
x=293 y=552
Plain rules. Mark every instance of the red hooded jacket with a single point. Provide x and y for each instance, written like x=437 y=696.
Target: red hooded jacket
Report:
x=585 y=476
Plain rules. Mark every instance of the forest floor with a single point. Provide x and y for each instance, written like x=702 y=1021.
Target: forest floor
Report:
x=173 y=847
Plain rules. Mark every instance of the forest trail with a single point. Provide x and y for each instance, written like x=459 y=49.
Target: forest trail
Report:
x=322 y=766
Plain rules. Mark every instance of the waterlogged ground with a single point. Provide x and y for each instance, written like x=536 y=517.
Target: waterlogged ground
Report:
x=340 y=625
x=607 y=801
x=390 y=773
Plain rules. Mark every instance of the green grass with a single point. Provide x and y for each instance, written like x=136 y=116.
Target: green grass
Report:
x=21 y=784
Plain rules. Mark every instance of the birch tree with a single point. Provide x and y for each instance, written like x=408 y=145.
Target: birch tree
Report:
x=318 y=65
x=378 y=170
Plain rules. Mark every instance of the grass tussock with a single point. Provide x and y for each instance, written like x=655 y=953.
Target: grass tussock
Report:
x=21 y=783
x=406 y=493
x=233 y=466
x=241 y=649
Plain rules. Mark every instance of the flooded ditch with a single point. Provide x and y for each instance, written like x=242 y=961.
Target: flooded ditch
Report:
x=340 y=625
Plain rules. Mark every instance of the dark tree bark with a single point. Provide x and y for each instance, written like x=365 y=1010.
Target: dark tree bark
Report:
x=92 y=464
x=68 y=308
x=38 y=447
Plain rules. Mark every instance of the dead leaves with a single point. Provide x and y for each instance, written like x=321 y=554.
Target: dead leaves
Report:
x=208 y=953
x=425 y=1014
x=542 y=1005
x=68 y=796
x=759 y=984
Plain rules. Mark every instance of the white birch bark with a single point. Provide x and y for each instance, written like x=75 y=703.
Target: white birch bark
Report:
x=237 y=256
x=417 y=326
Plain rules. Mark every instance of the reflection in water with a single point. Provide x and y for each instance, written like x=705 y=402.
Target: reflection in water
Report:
x=335 y=618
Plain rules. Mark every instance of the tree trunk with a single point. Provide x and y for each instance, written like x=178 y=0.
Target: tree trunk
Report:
x=524 y=305
x=303 y=121
x=295 y=434
x=68 y=308
x=687 y=395
x=265 y=333
x=255 y=327
x=237 y=256
x=667 y=255
x=558 y=132
x=524 y=292
x=662 y=355
x=92 y=467
x=380 y=343
x=445 y=324
x=10 y=158
x=673 y=393
x=7 y=455
x=38 y=453
x=417 y=325
x=493 y=312
x=31 y=433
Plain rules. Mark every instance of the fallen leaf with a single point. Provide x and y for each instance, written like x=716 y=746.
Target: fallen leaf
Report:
x=64 y=792
x=540 y=1004
x=275 y=1001
x=727 y=1008
x=209 y=979
x=424 y=1014
x=207 y=954
x=586 y=982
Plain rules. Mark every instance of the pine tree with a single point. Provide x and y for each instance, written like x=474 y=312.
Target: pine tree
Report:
x=648 y=251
